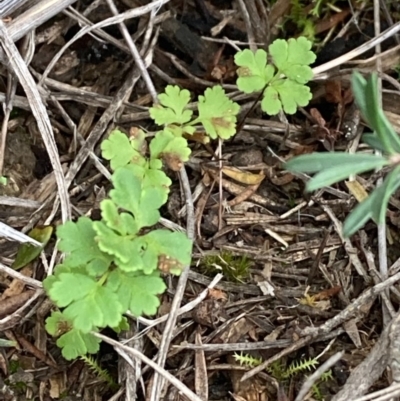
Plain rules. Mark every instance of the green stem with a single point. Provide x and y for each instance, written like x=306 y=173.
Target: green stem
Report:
x=103 y=279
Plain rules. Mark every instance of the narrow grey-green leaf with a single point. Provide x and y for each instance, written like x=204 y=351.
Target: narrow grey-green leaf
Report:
x=358 y=217
x=375 y=206
x=373 y=140
x=315 y=162
x=366 y=94
x=338 y=173
x=383 y=194
x=358 y=86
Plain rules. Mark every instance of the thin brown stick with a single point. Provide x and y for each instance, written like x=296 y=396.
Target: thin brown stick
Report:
x=180 y=289
x=136 y=354
x=40 y=113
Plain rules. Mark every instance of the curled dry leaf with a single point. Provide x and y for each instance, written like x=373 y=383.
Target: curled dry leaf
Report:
x=217 y=294
x=357 y=190
x=173 y=161
x=244 y=177
x=333 y=89
x=282 y=179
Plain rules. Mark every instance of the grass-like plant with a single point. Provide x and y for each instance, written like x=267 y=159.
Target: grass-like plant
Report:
x=234 y=268
x=333 y=167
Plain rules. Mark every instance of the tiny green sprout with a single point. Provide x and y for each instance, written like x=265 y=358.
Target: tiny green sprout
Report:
x=282 y=81
x=234 y=268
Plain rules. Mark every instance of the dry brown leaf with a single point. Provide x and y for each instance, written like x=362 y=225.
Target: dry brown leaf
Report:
x=17 y=286
x=173 y=161
x=328 y=293
x=352 y=331
x=244 y=177
x=282 y=179
x=27 y=346
x=217 y=294
x=357 y=190
x=333 y=91
x=57 y=385
x=11 y=304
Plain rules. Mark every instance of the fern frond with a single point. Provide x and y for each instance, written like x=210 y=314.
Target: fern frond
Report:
x=101 y=373
x=317 y=392
x=300 y=366
x=247 y=360
x=277 y=370
x=326 y=376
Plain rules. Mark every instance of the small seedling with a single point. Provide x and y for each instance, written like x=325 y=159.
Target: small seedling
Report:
x=283 y=80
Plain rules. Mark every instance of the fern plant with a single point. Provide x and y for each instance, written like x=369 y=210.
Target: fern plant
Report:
x=276 y=369
x=281 y=372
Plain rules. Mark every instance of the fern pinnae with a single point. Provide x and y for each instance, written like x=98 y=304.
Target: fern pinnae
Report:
x=101 y=373
x=247 y=360
x=300 y=366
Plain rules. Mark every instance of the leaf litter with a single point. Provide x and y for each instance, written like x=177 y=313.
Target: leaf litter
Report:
x=276 y=312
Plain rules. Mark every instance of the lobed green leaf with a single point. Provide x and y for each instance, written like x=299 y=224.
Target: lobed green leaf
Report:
x=88 y=304
x=293 y=57
x=71 y=287
x=254 y=72
x=172 y=107
x=56 y=322
x=285 y=94
x=151 y=176
x=100 y=308
x=78 y=240
x=130 y=194
x=137 y=293
x=173 y=245
x=119 y=150
x=122 y=223
x=169 y=147
x=122 y=247
x=75 y=344
x=218 y=113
